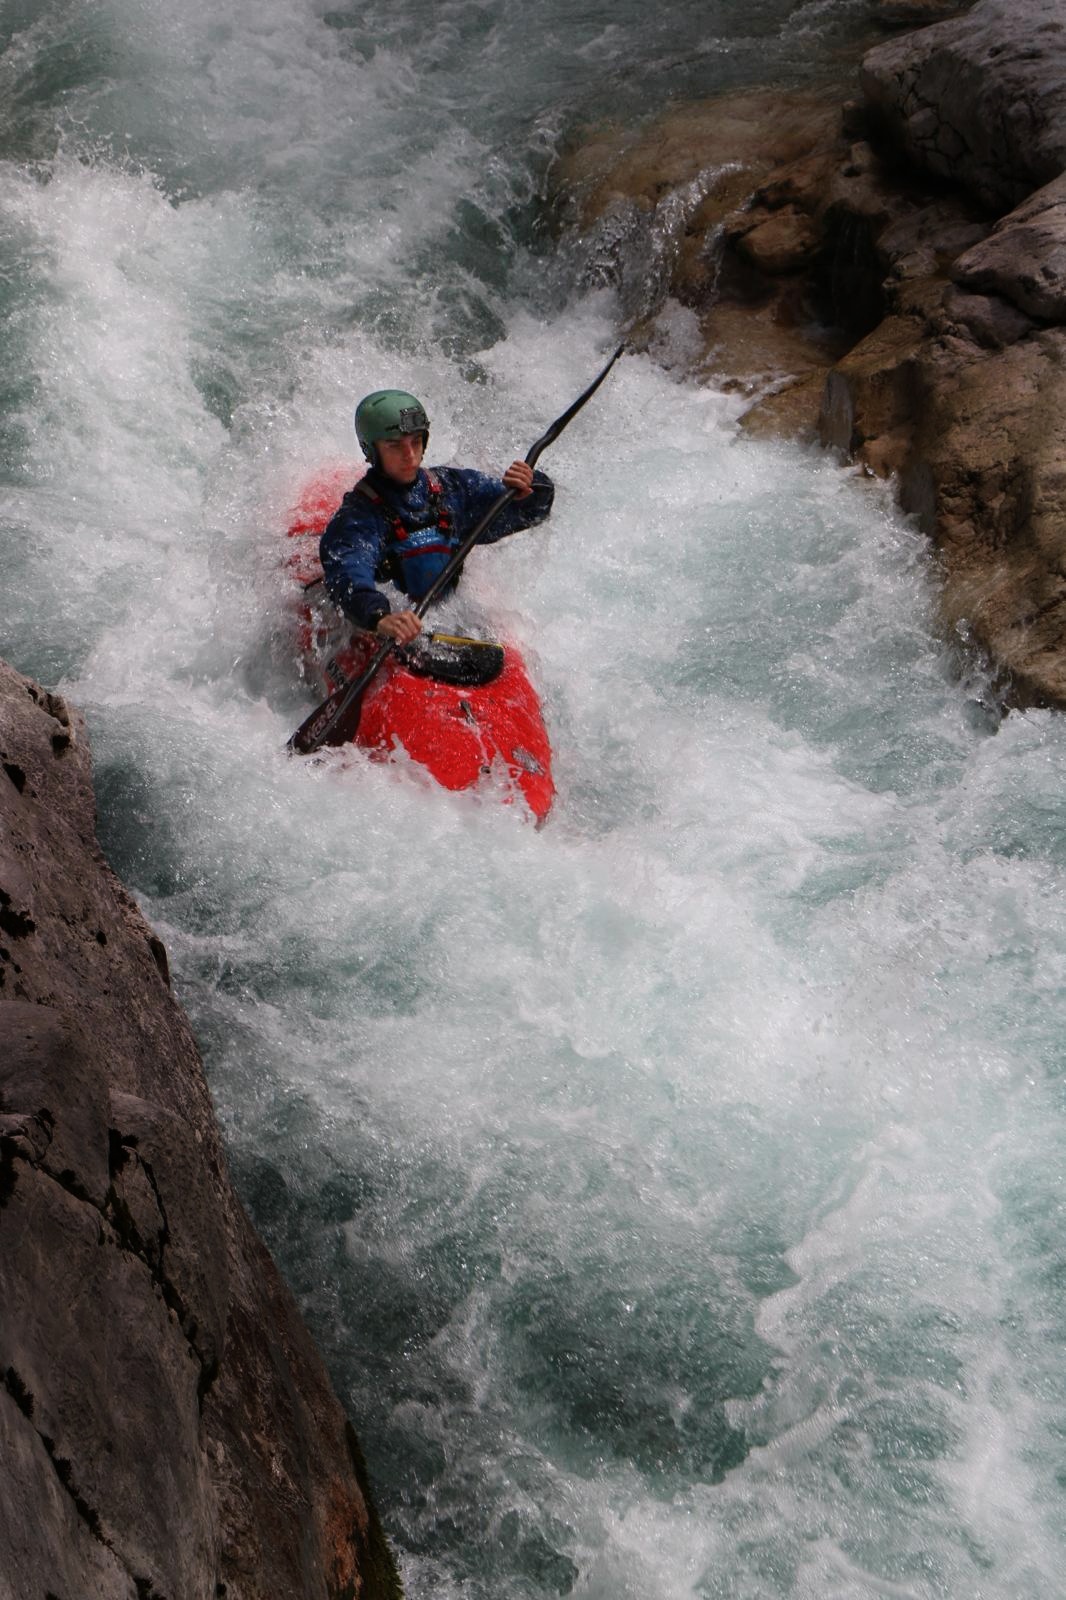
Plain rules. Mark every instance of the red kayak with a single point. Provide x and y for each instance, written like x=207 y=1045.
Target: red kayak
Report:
x=463 y=708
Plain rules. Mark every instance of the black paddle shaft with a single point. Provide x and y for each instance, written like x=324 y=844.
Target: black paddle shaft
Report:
x=336 y=720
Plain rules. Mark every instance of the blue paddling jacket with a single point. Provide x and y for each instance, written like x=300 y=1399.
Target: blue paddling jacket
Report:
x=407 y=534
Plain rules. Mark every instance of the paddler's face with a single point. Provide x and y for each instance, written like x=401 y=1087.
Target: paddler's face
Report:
x=401 y=458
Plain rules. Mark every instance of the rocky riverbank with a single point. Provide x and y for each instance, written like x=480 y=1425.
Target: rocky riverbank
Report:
x=167 y=1429
x=889 y=274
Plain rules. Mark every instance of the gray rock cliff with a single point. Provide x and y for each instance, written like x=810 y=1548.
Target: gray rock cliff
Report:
x=167 y=1429
x=979 y=100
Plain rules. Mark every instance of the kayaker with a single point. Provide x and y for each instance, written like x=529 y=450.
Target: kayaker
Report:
x=402 y=521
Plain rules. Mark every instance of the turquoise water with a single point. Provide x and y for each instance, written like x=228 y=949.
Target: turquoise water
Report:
x=676 y=1192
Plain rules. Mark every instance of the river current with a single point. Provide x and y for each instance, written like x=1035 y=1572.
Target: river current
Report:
x=676 y=1192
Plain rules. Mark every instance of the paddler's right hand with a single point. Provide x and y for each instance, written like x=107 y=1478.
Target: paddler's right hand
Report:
x=403 y=626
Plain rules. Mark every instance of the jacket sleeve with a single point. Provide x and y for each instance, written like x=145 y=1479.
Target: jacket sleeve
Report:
x=350 y=550
x=480 y=491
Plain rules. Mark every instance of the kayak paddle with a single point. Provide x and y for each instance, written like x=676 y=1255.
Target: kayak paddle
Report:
x=336 y=720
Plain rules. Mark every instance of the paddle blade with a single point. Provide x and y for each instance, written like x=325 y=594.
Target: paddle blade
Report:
x=336 y=720
x=333 y=722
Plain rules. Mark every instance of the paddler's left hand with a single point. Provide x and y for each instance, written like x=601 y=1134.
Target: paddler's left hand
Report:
x=519 y=477
x=402 y=626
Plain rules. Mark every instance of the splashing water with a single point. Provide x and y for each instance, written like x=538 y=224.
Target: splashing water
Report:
x=676 y=1193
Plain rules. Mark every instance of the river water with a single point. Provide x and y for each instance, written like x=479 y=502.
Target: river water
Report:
x=675 y=1192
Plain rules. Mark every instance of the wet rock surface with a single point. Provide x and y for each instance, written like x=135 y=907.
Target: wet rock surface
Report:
x=167 y=1429
x=887 y=272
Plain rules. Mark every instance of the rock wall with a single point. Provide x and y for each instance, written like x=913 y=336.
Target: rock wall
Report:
x=962 y=389
x=980 y=100
x=167 y=1430
x=891 y=274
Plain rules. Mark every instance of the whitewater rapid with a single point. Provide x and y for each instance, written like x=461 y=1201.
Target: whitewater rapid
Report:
x=675 y=1192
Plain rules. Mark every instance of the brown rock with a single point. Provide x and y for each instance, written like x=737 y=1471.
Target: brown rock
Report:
x=759 y=352
x=784 y=242
x=923 y=242
x=1024 y=258
x=997 y=432
x=166 y=1425
x=647 y=211
x=872 y=394
x=727 y=144
x=988 y=320
x=975 y=431
x=786 y=410
x=801 y=183
x=732 y=192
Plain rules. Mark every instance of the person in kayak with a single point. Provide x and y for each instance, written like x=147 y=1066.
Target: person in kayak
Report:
x=403 y=522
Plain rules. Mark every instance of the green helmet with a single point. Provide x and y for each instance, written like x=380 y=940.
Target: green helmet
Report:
x=389 y=414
